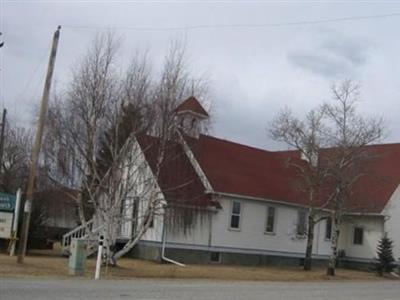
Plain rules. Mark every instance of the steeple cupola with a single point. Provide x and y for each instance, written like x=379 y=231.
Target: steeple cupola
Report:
x=191 y=116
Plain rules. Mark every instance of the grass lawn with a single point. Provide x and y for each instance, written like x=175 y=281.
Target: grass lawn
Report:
x=45 y=265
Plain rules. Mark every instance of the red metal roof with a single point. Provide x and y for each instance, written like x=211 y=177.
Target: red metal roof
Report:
x=192 y=104
x=177 y=178
x=372 y=191
x=238 y=169
x=241 y=170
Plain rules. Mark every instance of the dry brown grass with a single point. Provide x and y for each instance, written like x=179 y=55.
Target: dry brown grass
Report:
x=40 y=265
x=137 y=268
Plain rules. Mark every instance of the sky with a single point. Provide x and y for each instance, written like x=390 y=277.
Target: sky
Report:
x=253 y=72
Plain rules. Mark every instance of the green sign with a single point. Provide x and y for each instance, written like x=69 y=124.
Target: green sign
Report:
x=7 y=202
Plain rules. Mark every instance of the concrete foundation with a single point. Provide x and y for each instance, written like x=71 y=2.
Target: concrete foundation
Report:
x=152 y=251
x=147 y=252
x=205 y=257
x=193 y=256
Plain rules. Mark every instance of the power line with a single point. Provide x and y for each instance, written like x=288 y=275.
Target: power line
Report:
x=244 y=25
x=23 y=91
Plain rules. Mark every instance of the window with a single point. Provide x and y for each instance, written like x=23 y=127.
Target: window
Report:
x=235 y=217
x=301 y=222
x=270 y=224
x=123 y=207
x=215 y=257
x=358 y=236
x=328 y=228
x=135 y=213
x=193 y=123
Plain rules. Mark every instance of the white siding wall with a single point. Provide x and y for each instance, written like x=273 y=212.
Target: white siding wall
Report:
x=392 y=224
x=373 y=232
x=252 y=230
x=198 y=235
x=155 y=233
x=252 y=236
x=322 y=246
x=141 y=172
x=125 y=230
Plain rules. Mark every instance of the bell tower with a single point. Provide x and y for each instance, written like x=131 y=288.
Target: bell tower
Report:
x=191 y=116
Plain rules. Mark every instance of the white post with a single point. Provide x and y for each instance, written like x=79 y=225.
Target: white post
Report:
x=99 y=255
x=15 y=223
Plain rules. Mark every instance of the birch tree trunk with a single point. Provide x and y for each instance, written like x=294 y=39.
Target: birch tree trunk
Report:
x=331 y=270
x=308 y=139
x=310 y=242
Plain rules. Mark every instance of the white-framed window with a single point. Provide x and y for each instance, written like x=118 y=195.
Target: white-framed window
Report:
x=270 y=220
x=358 y=236
x=235 y=215
x=328 y=228
x=301 y=227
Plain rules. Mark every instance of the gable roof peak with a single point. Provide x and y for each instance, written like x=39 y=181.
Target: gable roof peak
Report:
x=192 y=105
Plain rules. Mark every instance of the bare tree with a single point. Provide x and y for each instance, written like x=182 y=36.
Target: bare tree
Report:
x=95 y=132
x=14 y=171
x=76 y=120
x=307 y=137
x=348 y=157
x=332 y=140
x=174 y=84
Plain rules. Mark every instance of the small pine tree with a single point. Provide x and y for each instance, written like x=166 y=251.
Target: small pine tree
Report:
x=385 y=260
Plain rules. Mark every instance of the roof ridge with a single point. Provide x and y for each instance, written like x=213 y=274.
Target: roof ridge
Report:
x=236 y=143
x=383 y=145
x=328 y=148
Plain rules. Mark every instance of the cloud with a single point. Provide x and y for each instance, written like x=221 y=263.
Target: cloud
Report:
x=254 y=71
x=321 y=64
x=354 y=50
x=335 y=56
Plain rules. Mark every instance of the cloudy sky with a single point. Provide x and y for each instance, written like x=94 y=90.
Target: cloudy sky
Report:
x=253 y=71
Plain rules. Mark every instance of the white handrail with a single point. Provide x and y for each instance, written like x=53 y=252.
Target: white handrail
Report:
x=81 y=232
x=78 y=232
x=78 y=229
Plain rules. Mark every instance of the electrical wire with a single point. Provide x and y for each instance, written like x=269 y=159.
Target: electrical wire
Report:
x=41 y=62
x=248 y=25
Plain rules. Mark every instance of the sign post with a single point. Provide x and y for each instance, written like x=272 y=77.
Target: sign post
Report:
x=7 y=202
x=7 y=205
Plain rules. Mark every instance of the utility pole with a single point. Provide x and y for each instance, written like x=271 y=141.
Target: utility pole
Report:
x=3 y=126
x=36 y=149
x=14 y=231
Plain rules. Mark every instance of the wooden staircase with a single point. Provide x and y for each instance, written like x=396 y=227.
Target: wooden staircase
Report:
x=85 y=232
